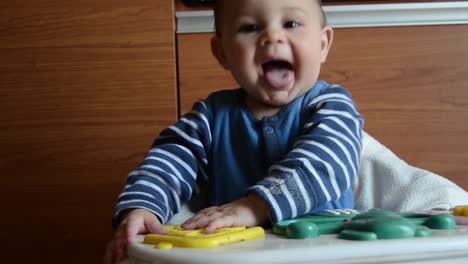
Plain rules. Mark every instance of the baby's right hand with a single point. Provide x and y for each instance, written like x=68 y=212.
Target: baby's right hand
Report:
x=136 y=221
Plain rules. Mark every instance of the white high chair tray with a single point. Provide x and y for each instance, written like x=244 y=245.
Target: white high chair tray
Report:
x=443 y=246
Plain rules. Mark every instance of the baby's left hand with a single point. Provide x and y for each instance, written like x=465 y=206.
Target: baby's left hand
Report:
x=251 y=210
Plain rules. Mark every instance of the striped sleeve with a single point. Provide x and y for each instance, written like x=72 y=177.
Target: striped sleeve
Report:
x=323 y=162
x=167 y=176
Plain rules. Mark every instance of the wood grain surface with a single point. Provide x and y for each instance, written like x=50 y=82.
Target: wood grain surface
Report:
x=410 y=83
x=85 y=86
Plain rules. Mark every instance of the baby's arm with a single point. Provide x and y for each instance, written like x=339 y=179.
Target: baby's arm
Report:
x=165 y=179
x=168 y=174
x=323 y=162
x=250 y=210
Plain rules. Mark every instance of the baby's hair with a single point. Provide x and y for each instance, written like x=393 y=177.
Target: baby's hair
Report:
x=218 y=6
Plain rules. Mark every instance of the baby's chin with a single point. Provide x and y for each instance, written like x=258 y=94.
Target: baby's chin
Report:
x=271 y=104
x=266 y=97
x=277 y=102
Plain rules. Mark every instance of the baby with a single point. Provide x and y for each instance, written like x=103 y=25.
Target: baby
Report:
x=282 y=145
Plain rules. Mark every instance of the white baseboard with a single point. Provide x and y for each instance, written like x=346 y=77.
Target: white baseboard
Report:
x=346 y=16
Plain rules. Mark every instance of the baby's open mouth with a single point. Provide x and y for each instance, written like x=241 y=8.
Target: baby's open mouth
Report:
x=278 y=73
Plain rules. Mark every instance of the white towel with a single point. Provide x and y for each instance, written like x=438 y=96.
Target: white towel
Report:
x=385 y=181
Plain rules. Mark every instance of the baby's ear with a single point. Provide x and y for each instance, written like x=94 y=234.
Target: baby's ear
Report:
x=327 y=40
x=218 y=51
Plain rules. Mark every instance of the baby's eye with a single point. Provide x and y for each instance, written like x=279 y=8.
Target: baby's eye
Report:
x=292 y=24
x=248 y=28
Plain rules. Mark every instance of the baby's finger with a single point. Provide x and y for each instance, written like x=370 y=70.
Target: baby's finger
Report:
x=109 y=254
x=120 y=247
x=131 y=227
x=201 y=220
x=226 y=220
x=194 y=219
x=155 y=227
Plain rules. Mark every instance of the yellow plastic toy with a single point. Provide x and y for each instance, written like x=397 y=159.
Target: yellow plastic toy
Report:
x=460 y=210
x=179 y=237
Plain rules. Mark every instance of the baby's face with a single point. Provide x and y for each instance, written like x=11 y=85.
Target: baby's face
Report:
x=274 y=48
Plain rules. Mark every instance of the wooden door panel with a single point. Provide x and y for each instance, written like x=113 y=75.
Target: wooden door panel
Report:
x=85 y=86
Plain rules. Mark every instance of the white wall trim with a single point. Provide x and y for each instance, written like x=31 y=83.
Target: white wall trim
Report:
x=345 y=16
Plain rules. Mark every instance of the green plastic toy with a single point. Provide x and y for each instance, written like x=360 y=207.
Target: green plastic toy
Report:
x=371 y=225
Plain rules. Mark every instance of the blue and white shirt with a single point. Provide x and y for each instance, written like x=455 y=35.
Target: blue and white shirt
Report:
x=302 y=160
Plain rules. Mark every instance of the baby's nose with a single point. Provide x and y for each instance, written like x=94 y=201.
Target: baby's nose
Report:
x=272 y=36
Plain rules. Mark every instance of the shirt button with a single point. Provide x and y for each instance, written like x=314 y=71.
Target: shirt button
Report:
x=268 y=130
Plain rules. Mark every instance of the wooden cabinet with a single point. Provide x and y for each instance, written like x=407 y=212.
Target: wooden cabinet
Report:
x=85 y=86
